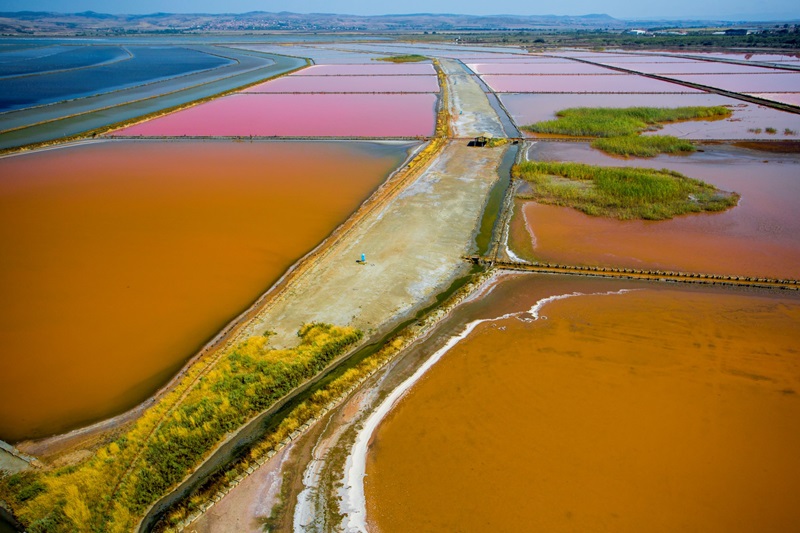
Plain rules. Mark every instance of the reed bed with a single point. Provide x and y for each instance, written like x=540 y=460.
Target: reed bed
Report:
x=617 y=129
x=621 y=192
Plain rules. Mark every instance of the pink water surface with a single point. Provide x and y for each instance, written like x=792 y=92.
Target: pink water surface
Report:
x=745 y=83
x=693 y=67
x=582 y=84
x=573 y=67
x=348 y=84
x=299 y=115
x=377 y=69
x=784 y=98
x=530 y=108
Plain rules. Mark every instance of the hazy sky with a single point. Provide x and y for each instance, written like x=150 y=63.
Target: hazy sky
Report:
x=716 y=9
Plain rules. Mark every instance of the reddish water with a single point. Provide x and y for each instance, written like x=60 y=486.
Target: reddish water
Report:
x=349 y=84
x=663 y=409
x=760 y=237
x=572 y=67
x=611 y=83
x=300 y=115
x=748 y=83
x=530 y=108
x=370 y=70
x=121 y=259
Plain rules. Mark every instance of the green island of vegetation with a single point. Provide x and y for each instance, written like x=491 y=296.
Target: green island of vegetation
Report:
x=620 y=192
x=407 y=58
x=618 y=129
x=112 y=490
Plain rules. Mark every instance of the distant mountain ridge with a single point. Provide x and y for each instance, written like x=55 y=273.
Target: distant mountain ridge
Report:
x=90 y=22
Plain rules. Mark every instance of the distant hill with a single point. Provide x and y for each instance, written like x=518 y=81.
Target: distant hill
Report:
x=89 y=22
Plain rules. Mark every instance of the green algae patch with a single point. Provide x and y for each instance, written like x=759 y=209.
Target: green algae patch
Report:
x=112 y=490
x=618 y=129
x=624 y=193
x=407 y=58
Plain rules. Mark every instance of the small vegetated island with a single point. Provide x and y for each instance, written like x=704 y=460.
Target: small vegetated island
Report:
x=618 y=130
x=407 y=58
x=621 y=192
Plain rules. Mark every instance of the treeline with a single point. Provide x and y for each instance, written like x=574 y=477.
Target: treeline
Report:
x=111 y=491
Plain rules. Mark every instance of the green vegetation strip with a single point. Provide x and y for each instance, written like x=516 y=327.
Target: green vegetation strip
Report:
x=164 y=446
x=618 y=129
x=621 y=192
x=643 y=146
x=408 y=58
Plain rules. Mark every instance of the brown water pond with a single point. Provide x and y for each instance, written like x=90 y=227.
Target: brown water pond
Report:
x=760 y=237
x=661 y=409
x=121 y=259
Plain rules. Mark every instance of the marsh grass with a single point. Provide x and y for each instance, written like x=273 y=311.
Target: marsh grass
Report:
x=619 y=192
x=643 y=145
x=617 y=129
x=165 y=444
x=407 y=58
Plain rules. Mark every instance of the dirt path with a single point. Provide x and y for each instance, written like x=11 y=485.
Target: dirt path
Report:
x=472 y=113
x=414 y=245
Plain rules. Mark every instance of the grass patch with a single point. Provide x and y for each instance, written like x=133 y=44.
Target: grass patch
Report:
x=407 y=58
x=618 y=129
x=111 y=491
x=622 y=193
x=643 y=145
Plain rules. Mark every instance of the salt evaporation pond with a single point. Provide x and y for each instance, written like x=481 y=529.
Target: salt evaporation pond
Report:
x=65 y=59
x=631 y=407
x=759 y=238
x=608 y=83
x=694 y=67
x=529 y=108
x=348 y=84
x=403 y=69
x=748 y=83
x=300 y=115
x=572 y=67
x=149 y=64
x=784 y=98
x=121 y=259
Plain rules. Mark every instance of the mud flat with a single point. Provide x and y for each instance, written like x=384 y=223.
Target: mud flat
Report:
x=96 y=234
x=598 y=404
x=759 y=237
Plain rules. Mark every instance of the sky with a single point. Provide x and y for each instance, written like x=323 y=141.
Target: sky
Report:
x=624 y=9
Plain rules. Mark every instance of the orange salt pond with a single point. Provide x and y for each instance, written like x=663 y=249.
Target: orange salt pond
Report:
x=662 y=409
x=121 y=259
x=760 y=237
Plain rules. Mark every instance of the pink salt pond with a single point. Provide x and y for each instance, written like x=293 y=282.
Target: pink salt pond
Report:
x=693 y=67
x=298 y=115
x=783 y=98
x=611 y=83
x=404 y=69
x=746 y=119
x=748 y=83
x=573 y=67
x=348 y=84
